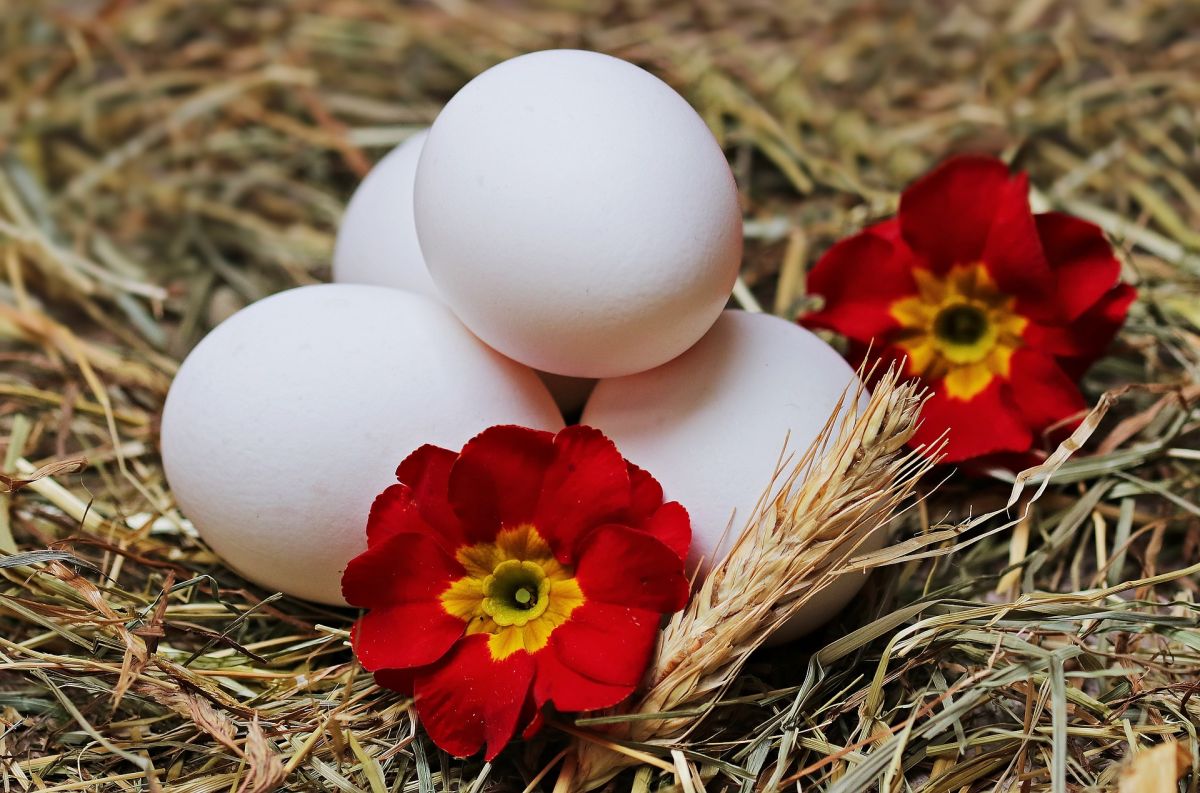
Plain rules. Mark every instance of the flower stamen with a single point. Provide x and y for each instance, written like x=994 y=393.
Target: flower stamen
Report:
x=958 y=328
x=514 y=590
x=962 y=323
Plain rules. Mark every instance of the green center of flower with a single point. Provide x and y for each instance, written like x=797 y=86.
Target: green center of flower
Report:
x=513 y=590
x=961 y=324
x=516 y=592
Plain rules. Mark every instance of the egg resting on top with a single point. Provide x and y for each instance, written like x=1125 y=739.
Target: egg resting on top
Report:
x=577 y=214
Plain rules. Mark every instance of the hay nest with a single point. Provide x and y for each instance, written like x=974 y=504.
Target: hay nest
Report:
x=164 y=163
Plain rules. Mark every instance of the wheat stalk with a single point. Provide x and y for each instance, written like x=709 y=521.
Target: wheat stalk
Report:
x=847 y=485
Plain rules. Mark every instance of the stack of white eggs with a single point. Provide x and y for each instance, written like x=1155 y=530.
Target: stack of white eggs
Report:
x=576 y=221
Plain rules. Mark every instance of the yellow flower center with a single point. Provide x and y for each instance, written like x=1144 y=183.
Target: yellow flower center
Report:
x=514 y=590
x=959 y=328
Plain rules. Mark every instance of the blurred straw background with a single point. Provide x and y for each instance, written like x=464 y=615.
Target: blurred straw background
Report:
x=165 y=162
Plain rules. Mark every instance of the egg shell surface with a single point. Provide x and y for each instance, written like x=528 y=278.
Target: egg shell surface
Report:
x=288 y=419
x=377 y=239
x=711 y=426
x=577 y=214
x=377 y=244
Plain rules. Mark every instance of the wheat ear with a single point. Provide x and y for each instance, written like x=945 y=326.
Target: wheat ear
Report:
x=813 y=516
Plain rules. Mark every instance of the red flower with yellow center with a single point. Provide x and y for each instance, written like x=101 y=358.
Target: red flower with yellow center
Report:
x=528 y=569
x=999 y=310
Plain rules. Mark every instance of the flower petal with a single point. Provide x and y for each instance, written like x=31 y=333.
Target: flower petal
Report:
x=947 y=214
x=406 y=568
x=646 y=495
x=671 y=526
x=1082 y=259
x=1042 y=391
x=405 y=635
x=1013 y=252
x=1094 y=331
x=1078 y=345
x=394 y=512
x=532 y=717
x=668 y=523
x=586 y=485
x=399 y=680
x=602 y=643
x=625 y=567
x=497 y=479
x=983 y=425
x=888 y=231
x=556 y=682
x=427 y=473
x=469 y=699
x=860 y=278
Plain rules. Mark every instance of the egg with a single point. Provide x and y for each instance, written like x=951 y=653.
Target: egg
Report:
x=577 y=215
x=711 y=426
x=377 y=240
x=287 y=420
x=377 y=244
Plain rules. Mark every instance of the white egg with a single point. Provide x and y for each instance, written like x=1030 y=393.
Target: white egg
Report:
x=711 y=426
x=290 y=417
x=578 y=215
x=377 y=244
x=377 y=240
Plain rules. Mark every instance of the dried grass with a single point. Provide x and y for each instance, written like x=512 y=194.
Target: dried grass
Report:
x=163 y=163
